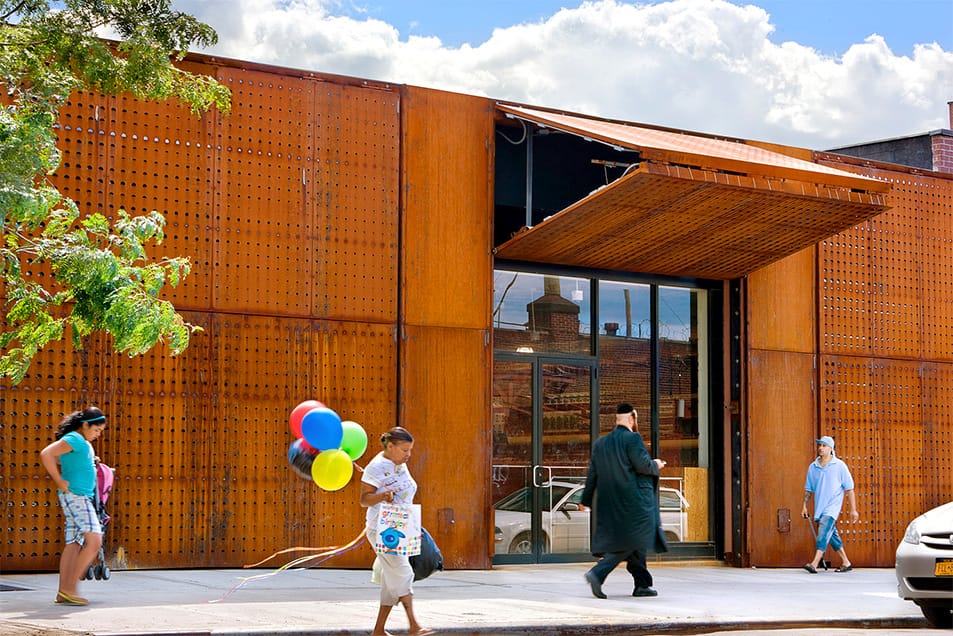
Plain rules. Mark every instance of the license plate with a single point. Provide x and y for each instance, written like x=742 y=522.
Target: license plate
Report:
x=944 y=567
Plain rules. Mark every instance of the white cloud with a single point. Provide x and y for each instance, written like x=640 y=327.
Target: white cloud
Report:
x=705 y=65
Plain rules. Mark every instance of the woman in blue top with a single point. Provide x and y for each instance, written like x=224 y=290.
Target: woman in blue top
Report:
x=70 y=461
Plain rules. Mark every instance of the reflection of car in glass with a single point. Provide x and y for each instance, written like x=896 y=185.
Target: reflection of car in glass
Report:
x=567 y=530
x=925 y=565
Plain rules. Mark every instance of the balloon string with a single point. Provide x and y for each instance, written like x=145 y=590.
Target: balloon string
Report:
x=328 y=552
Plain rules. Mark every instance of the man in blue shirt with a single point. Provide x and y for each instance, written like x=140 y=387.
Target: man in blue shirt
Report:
x=828 y=479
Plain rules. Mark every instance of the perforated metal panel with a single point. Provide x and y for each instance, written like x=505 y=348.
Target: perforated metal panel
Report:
x=200 y=441
x=356 y=175
x=263 y=226
x=29 y=412
x=886 y=299
x=143 y=156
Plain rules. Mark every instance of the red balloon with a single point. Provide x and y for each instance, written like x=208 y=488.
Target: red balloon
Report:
x=298 y=414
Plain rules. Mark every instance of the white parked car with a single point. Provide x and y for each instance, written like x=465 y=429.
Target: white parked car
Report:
x=924 y=565
x=565 y=526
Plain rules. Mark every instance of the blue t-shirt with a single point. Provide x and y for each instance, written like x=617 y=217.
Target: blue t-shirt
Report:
x=828 y=483
x=78 y=466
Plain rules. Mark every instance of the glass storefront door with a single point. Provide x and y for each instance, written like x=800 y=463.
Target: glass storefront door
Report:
x=567 y=351
x=540 y=457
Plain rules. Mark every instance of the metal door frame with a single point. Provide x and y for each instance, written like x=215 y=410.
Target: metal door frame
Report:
x=537 y=361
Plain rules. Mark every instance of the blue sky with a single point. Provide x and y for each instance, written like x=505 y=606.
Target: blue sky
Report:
x=830 y=26
x=816 y=74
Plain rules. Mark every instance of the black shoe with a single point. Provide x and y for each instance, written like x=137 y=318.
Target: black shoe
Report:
x=810 y=568
x=644 y=591
x=595 y=585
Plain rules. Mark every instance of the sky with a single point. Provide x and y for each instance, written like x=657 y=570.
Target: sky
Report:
x=811 y=73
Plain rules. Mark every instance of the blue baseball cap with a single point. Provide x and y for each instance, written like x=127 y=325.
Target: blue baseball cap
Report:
x=827 y=440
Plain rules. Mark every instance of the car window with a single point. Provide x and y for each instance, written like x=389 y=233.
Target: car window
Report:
x=518 y=501
x=521 y=500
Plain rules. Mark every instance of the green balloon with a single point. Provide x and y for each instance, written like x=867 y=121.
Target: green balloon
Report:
x=354 y=441
x=332 y=469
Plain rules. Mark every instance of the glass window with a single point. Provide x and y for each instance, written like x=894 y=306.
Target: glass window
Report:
x=683 y=408
x=625 y=350
x=537 y=313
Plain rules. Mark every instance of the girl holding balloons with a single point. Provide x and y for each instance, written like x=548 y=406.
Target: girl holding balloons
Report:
x=387 y=479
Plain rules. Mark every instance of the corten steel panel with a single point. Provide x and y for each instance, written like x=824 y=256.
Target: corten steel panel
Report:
x=781 y=433
x=160 y=157
x=910 y=287
x=845 y=319
x=159 y=440
x=897 y=289
x=260 y=505
x=355 y=373
x=781 y=304
x=693 y=149
x=690 y=222
x=874 y=409
x=58 y=382
x=355 y=193
x=937 y=450
x=448 y=209
x=83 y=139
x=445 y=404
x=848 y=413
x=263 y=225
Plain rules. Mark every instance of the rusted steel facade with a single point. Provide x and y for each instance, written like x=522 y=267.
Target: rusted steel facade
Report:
x=854 y=338
x=341 y=233
x=320 y=220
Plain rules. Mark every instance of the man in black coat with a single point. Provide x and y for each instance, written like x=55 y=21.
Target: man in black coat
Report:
x=628 y=523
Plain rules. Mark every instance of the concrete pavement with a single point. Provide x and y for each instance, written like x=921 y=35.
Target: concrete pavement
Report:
x=514 y=599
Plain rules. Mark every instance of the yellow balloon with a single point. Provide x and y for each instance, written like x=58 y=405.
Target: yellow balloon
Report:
x=332 y=469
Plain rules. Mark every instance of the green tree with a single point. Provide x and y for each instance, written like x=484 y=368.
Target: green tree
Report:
x=102 y=278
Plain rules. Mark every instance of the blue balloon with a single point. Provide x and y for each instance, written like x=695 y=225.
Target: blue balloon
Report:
x=321 y=428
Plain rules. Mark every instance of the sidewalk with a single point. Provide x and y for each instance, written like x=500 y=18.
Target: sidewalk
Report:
x=514 y=599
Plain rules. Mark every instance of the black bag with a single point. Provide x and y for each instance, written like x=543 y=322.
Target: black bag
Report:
x=429 y=560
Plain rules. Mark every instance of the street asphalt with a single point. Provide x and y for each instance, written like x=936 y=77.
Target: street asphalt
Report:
x=694 y=598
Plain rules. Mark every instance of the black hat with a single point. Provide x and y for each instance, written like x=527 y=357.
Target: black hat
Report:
x=624 y=408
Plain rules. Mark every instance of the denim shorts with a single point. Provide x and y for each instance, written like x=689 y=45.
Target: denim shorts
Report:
x=81 y=517
x=827 y=534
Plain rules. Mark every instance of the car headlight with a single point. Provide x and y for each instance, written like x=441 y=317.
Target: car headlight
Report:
x=497 y=535
x=912 y=535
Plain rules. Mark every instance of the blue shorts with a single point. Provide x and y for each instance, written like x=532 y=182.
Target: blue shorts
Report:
x=827 y=534
x=80 y=516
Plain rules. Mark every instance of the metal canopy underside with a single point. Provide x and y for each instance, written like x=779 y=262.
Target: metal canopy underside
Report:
x=694 y=207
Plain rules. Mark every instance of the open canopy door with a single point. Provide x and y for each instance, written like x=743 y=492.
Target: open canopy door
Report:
x=693 y=206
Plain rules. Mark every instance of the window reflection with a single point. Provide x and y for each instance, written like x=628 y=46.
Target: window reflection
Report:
x=548 y=314
x=536 y=313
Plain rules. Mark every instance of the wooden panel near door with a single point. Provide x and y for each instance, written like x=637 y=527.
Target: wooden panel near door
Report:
x=781 y=304
x=446 y=292
x=781 y=429
x=445 y=399
x=447 y=190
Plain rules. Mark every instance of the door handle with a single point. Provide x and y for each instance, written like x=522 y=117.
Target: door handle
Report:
x=536 y=473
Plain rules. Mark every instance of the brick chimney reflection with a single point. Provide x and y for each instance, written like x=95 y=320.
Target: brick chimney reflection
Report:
x=552 y=318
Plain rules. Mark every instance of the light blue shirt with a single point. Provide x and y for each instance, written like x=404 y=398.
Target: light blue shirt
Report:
x=828 y=483
x=78 y=465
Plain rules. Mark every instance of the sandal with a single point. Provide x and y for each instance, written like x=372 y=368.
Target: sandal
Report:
x=67 y=599
x=844 y=568
x=810 y=568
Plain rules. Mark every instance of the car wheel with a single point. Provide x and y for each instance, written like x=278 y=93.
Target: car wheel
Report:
x=671 y=537
x=939 y=616
x=522 y=544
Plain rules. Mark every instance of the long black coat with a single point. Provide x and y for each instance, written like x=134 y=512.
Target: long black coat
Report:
x=626 y=478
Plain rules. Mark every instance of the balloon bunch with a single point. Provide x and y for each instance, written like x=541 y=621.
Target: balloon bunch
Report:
x=325 y=447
